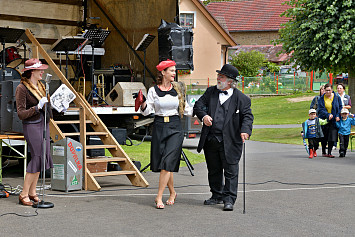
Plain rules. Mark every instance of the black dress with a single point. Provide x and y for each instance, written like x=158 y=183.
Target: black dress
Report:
x=167 y=136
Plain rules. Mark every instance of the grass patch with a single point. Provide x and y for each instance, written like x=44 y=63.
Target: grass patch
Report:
x=278 y=110
x=142 y=153
x=278 y=135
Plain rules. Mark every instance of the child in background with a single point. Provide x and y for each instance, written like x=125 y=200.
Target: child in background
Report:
x=312 y=131
x=344 y=126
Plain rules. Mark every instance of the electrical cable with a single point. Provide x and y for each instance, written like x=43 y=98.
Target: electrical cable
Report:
x=14 y=193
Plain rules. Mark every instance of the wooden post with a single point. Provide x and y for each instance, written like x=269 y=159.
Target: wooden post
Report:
x=243 y=84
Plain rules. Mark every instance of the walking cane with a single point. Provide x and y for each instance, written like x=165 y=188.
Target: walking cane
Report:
x=243 y=177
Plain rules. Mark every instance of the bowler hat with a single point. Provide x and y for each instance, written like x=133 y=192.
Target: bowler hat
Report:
x=229 y=71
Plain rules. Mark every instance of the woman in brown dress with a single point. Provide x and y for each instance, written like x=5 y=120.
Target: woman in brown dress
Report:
x=30 y=100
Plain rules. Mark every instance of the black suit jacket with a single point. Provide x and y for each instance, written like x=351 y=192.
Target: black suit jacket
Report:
x=239 y=120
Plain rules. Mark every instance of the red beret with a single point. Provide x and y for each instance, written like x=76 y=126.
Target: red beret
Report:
x=165 y=64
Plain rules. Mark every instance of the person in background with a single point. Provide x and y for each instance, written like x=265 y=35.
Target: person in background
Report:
x=227 y=124
x=345 y=99
x=167 y=100
x=313 y=132
x=314 y=103
x=30 y=101
x=344 y=126
x=330 y=106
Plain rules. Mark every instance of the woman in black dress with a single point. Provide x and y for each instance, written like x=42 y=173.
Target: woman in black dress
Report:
x=167 y=101
x=30 y=100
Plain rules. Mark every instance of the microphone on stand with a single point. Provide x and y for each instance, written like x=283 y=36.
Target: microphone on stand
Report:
x=48 y=78
x=44 y=204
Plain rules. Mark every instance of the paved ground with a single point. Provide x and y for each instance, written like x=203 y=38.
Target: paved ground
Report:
x=278 y=208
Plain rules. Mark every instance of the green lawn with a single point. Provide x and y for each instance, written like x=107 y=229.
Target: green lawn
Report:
x=282 y=135
x=278 y=110
x=142 y=153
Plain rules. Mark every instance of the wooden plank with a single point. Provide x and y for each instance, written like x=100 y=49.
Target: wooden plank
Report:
x=35 y=53
x=69 y=2
x=88 y=133
x=71 y=121
x=108 y=159
x=101 y=147
x=91 y=183
x=113 y=173
x=45 y=10
x=38 y=20
x=55 y=132
x=14 y=137
x=42 y=30
x=83 y=143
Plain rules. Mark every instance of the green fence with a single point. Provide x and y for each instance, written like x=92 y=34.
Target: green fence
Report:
x=267 y=84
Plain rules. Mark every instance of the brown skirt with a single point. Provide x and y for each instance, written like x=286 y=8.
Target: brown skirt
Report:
x=33 y=133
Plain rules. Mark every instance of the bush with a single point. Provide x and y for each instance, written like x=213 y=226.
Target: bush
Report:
x=248 y=63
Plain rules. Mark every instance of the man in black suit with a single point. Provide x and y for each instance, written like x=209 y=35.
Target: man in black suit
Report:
x=227 y=123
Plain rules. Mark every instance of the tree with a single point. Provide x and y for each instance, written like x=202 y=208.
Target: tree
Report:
x=321 y=34
x=248 y=63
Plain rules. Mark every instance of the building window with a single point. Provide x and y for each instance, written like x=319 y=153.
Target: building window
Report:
x=187 y=19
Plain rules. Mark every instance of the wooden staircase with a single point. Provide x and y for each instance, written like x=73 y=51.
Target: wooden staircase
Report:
x=87 y=117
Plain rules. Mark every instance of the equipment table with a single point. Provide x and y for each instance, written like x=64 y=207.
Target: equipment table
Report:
x=11 y=141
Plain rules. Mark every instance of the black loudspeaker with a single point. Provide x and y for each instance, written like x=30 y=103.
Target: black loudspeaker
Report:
x=9 y=119
x=175 y=43
x=120 y=134
x=95 y=140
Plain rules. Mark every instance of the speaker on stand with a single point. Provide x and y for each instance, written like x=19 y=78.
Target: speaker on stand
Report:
x=175 y=43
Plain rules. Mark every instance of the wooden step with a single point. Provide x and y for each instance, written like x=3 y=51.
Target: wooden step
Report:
x=71 y=121
x=105 y=159
x=101 y=146
x=123 y=172
x=73 y=109
x=70 y=134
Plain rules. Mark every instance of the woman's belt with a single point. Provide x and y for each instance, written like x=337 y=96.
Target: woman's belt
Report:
x=167 y=119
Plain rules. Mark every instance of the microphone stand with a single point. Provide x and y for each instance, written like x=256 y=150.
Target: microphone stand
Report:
x=42 y=203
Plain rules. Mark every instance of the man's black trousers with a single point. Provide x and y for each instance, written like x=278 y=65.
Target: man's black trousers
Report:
x=217 y=167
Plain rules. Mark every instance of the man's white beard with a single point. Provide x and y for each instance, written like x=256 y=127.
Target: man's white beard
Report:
x=221 y=85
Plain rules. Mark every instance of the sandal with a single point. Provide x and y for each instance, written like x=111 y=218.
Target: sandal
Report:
x=159 y=205
x=170 y=203
x=34 y=198
x=21 y=200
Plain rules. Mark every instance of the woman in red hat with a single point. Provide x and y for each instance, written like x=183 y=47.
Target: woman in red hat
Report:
x=30 y=100
x=167 y=101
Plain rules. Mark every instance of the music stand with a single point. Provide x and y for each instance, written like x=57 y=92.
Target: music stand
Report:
x=142 y=46
x=67 y=44
x=97 y=37
x=184 y=158
x=8 y=35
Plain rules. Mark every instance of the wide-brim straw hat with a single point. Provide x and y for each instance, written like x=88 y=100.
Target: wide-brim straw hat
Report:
x=34 y=64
